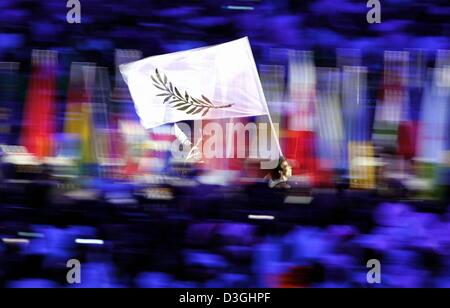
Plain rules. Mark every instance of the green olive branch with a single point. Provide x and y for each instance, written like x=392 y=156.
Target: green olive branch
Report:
x=186 y=102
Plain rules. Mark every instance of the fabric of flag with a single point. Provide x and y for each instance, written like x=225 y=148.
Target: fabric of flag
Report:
x=207 y=83
x=39 y=113
x=78 y=116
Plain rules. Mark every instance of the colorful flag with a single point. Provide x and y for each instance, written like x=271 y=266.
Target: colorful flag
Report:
x=39 y=113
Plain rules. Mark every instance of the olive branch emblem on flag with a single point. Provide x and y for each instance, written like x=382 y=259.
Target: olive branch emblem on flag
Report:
x=186 y=103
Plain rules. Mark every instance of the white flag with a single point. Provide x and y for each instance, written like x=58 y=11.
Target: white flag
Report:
x=206 y=83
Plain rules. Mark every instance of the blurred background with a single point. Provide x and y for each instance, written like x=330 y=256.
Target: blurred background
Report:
x=364 y=121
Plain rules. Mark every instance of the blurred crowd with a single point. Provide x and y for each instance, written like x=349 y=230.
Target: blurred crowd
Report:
x=202 y=235
x=159 y=27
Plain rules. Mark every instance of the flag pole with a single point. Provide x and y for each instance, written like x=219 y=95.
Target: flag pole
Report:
x=277 y=140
